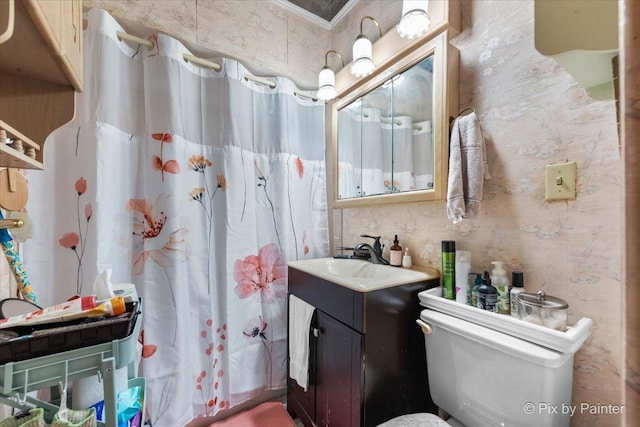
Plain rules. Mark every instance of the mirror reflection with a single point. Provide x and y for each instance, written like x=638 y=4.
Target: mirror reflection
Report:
x=385 y=141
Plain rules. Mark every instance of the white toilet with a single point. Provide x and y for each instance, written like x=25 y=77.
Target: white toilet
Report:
x=493 y=370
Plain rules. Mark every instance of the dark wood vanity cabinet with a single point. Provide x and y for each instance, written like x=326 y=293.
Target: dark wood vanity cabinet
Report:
x=367 y=358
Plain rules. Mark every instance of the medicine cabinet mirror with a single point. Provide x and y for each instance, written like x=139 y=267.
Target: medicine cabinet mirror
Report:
x=391 y=133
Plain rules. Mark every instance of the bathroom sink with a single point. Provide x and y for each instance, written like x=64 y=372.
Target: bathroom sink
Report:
x=361 y=275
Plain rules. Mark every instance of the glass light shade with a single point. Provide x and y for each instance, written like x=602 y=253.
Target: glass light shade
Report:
x=362 y=63
x=326 y=84
x=415 y=20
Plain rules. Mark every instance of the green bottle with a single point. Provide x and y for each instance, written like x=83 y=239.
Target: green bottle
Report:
x=449 y=269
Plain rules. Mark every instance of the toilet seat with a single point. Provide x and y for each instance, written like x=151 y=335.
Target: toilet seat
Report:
x=418 y=420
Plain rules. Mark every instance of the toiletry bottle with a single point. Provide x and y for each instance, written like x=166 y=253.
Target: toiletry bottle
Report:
x=517 y=280
x=474 y=289
x=500 y=281
x=463 y=265
x=406 y=259
x=487 y=294
x=449 y=269
x=395 y=253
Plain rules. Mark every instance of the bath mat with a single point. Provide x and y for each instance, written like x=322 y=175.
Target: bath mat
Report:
x=267 y=414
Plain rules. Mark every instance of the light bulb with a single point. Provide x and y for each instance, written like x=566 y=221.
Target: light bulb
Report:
x=362 y=63
x=415 y=20
x=326 y=84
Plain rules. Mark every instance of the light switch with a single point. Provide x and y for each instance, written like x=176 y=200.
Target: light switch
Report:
x=561 y=181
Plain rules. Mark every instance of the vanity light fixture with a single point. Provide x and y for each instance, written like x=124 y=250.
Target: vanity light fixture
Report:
x=327 y=79
x=415 y=19
x=363 y=51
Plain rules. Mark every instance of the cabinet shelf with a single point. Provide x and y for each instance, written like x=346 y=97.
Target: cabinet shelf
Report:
x=12 y=158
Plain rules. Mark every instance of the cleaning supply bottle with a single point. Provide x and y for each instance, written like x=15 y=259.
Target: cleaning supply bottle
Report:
x=463 y=266
x=395 y=253
x=487 y=294
x=406 y=259
x=517 y=280
x=449 y=269
x=500 y=281
x=474 y=289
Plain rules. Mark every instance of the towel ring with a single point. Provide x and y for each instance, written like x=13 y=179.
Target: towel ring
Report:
x=470 y=109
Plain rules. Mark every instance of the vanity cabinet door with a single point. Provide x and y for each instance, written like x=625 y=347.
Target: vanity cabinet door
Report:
x=339 y=374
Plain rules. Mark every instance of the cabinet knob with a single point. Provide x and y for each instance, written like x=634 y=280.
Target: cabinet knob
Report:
x=316 y=332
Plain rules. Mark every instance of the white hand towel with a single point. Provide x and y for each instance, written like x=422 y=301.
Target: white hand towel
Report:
x=467 y=168
x=300 y=314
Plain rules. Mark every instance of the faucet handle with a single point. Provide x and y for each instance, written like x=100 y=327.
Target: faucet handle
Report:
x=376 y=245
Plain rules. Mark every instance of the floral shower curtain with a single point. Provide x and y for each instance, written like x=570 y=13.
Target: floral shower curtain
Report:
x=197 y=186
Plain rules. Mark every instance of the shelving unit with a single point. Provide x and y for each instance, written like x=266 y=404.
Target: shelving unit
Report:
x=40 y=71
x=19 y=378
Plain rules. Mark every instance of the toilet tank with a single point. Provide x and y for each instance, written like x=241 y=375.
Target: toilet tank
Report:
x=484 y=377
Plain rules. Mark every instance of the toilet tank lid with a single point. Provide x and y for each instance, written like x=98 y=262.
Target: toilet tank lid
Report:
x=498 y=341
x=565 y=342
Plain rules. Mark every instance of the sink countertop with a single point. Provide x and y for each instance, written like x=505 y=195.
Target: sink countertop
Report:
x=361 y=275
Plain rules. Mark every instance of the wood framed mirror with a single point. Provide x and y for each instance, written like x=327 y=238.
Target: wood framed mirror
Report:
x=390 y=131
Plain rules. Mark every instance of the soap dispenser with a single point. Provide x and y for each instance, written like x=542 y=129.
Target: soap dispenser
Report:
x=395 y=253
x=487 y=294
x=500 y=281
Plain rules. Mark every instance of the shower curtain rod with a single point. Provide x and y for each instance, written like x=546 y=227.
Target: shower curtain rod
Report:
x=128 y=37
x=305 y=95
x=194 y=59
x=388 y=120
x=200 y=61
x=260 y=80
x=185 y=56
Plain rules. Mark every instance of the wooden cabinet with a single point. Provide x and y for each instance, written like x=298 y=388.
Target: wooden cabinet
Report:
x=367 y=358
x=40 y=71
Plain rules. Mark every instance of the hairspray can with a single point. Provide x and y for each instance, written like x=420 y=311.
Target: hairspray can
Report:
x=449 y=269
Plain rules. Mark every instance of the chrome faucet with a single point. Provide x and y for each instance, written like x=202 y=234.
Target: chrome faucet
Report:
x=375 y=251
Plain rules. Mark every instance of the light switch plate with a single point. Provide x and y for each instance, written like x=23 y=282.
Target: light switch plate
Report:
x=561 y=181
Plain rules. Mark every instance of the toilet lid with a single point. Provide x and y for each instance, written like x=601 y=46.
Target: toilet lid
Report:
x=416 y=420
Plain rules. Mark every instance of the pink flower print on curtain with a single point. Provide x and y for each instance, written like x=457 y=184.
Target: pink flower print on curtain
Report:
x=170 y=166
x=77 y=241
x=265 y=273
x=208 y=383
x=151 y=241
x=299 y=167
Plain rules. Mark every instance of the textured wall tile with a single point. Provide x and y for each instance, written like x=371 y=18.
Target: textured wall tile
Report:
x=252 y=29
x=177 y=17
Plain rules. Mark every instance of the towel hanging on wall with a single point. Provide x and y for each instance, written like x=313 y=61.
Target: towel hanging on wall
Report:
x=467 y=168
